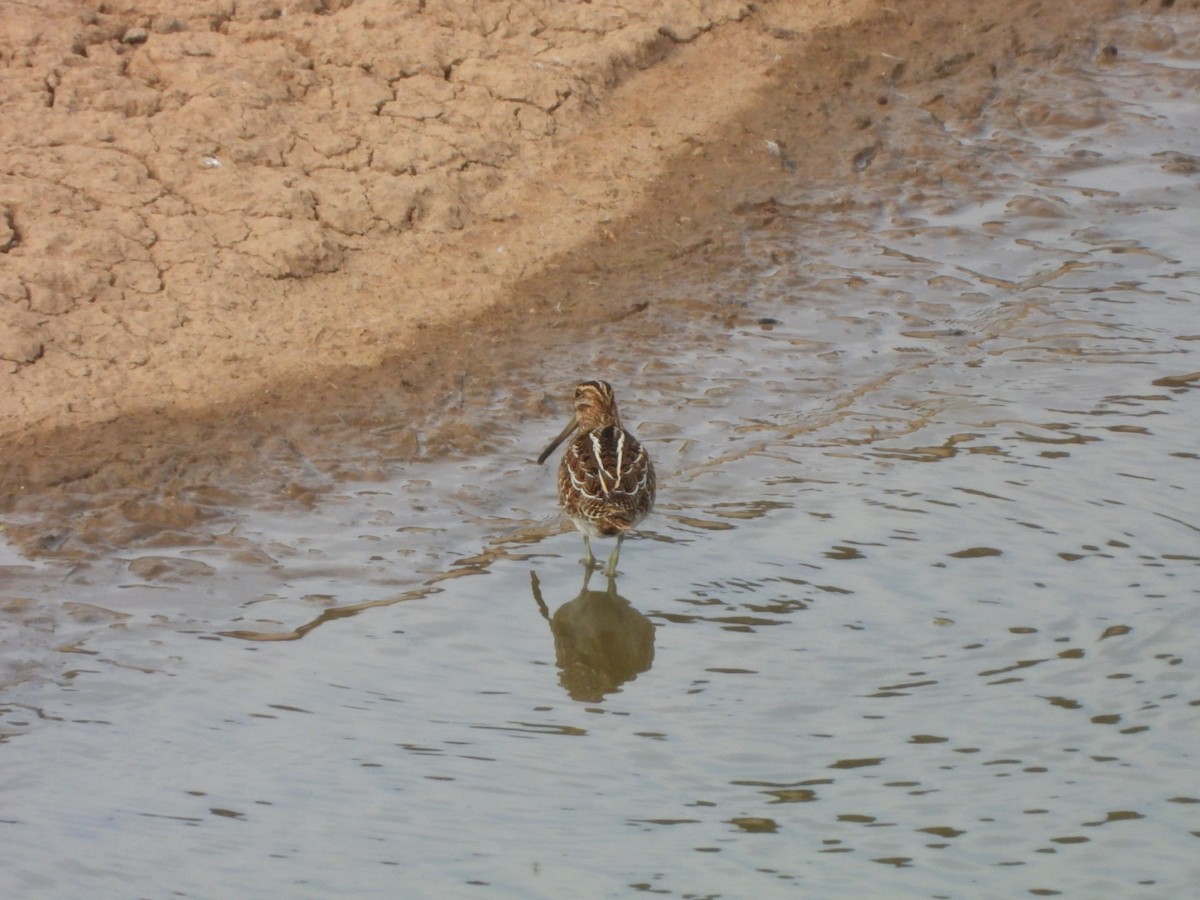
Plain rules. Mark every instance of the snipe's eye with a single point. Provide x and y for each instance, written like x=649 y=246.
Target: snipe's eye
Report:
x=578 y=392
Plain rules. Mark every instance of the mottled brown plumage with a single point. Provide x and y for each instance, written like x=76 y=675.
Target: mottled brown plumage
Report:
x=605 y=480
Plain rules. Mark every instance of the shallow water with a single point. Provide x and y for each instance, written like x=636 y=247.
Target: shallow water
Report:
x=916 y=613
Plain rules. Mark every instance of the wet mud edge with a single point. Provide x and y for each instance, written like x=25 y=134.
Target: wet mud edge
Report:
x=824 y=108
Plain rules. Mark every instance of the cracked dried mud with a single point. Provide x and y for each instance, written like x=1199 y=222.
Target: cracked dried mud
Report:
x=263 y=237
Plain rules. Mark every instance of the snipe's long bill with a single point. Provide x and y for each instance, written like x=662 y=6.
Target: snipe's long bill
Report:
x=605 y=479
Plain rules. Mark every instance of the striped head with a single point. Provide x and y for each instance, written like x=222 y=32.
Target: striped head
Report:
x=595 y=405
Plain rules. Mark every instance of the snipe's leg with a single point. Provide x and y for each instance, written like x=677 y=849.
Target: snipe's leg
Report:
x=590 y=560
x=611 y=571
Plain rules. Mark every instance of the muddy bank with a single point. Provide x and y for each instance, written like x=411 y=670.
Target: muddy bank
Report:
x=223 y=267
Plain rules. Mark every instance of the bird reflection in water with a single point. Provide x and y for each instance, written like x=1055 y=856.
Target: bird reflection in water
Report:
x=600 y=640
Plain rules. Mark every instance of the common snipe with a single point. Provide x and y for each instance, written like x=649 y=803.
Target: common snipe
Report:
x=605 y=479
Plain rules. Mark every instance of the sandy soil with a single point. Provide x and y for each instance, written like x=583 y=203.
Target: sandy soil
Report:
x=300 y=220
